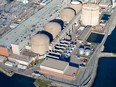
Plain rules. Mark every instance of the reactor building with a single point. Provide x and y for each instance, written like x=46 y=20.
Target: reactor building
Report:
x=40 y=44
x=90 y=14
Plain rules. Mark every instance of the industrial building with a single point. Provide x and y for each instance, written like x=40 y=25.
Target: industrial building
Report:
x=22 y=59
x=90 y=14
x=85 y=33
x=58 y=68
x=53 y=28
x=4 y=52
x=76 y=7
x=67 y=14
x=40 y=44
x=3 y=59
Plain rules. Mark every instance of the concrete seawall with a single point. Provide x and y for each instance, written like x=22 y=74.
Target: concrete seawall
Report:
x=6 y=72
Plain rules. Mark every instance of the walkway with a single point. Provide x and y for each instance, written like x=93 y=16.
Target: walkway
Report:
x=105 y=54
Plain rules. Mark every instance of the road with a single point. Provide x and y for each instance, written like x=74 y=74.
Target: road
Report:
x=105 y=54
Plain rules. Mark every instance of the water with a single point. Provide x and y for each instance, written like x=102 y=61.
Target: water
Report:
x=110 y=44
x=105 y=17
x=95 y=38
x=15 y=81
x=106 y=72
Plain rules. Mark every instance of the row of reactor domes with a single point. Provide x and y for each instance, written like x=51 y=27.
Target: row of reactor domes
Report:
x=40 y=42
x=90 y=16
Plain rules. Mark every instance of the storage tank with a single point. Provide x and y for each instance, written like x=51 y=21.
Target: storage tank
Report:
x=40 y=43
x=75 y=2
x=76 y=7
x=67 y=14
x=87 y=52
x=90 y=14
x=81 y=51
x=53 y=28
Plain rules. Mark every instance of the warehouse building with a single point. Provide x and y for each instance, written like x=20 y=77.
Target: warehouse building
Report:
x=22 y=59
x=58 y=68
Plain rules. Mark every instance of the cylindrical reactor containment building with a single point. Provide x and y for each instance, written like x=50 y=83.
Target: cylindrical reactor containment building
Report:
x=53 y=28
x=90 y=14
x=67 y=14
x=40 y=44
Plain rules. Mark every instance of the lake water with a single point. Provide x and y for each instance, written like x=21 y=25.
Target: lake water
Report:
x=106 y=72
x=15 y=81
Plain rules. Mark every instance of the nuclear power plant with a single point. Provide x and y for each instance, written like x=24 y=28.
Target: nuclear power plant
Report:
x=55 y=40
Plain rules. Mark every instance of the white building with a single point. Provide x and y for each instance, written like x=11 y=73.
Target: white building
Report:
x=22 y=59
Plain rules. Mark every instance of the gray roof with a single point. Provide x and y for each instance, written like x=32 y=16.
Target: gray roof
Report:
x=55 y=64
x=71 y=70
x=84 y=34
x=20 y=57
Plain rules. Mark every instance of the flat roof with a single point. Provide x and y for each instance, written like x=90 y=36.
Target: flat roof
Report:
x=4 y=51
x=20 y=57
x=84 y=34
x=71 y=70
x=28 y=53
x=54 y=63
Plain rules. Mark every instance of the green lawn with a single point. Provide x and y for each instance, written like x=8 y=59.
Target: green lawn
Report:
x=42 y=83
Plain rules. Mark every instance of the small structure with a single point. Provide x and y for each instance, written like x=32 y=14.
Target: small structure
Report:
x=15 y=49
x=87 y=52
x=81 y=51
x=84 y=34
x=75 y=2
x=21 y=66
x=4 y=52
x=3 y=59
x=8 y=63
x=23 y=1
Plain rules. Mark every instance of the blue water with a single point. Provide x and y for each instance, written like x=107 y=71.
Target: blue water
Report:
x=105 y=17
x=106 y=72
x=95 y=38
x=15 y=81
x=110 y=44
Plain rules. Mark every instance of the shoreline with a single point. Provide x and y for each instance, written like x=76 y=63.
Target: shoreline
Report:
x=6 y=72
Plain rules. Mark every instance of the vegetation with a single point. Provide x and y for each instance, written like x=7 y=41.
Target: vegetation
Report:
x=42 y=83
